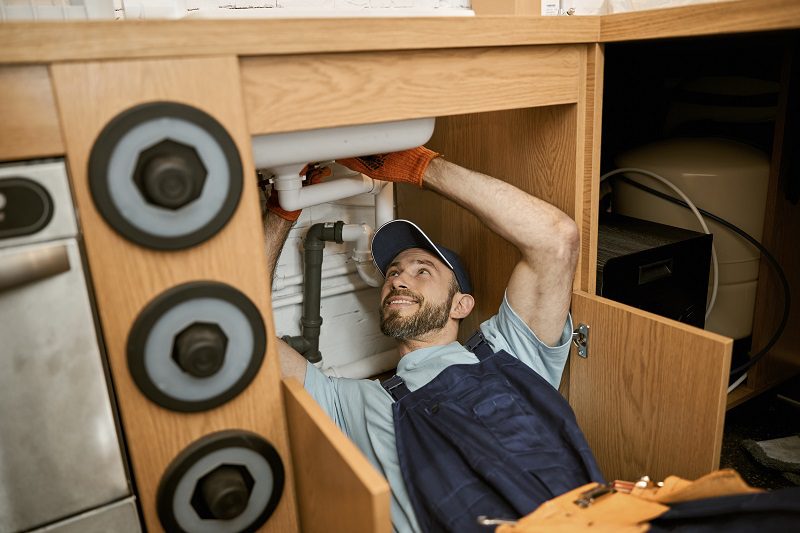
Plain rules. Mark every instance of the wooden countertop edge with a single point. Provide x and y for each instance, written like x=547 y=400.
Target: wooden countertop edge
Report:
x=44 y=42
x=739 y=16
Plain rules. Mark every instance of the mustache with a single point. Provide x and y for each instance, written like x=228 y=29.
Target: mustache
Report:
x=403 y=292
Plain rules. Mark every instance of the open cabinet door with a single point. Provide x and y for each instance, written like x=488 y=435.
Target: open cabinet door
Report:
x=650 y=395
x=337 y=488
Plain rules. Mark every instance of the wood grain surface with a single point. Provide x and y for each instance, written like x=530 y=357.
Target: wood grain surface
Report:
x=506 y=7
x=337 y=488
x=126 y=276
x=781 y=228
x=589 y=190
x=28 y=114
x=361 y=88
x=650 y=397
x=740 y=16
x=28 y=42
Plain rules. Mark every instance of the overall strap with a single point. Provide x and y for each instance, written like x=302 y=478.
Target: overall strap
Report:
x=396 y=387
x=476 y=344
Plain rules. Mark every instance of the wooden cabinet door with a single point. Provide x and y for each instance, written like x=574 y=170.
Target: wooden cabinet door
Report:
x=337 y=488
x=650 y=395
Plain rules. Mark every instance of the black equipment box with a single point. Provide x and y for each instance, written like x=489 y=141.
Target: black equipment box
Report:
x=657 y=268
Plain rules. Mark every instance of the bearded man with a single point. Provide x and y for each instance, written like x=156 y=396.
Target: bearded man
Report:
x=463 y=430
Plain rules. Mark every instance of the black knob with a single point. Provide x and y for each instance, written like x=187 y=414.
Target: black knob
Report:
x=169 y=181
x=200 y=349
x=225 y=492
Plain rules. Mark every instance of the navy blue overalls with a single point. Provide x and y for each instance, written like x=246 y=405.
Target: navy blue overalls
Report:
x=492 y=438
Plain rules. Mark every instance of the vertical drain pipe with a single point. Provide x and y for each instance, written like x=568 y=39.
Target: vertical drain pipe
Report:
x=313 y=245
x=384 y=205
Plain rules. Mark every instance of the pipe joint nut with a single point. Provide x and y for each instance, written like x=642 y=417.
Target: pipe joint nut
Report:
x=311 y=323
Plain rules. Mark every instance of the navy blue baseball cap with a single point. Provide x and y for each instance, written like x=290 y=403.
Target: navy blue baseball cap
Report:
x=398 y=235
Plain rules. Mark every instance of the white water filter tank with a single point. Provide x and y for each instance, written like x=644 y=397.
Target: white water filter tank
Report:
x=724 y=177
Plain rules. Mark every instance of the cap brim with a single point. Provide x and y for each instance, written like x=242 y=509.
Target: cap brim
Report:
x=397 y=236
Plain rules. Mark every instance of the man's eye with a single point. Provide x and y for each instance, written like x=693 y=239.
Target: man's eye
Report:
x=423 y=271
x=391 y=273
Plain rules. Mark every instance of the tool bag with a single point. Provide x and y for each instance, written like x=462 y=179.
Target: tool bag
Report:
x=720 y=501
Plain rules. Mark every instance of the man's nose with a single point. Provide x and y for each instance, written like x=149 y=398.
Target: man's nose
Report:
x=400 y=281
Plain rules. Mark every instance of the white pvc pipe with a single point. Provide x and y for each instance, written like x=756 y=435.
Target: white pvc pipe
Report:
x=370 y=274
x=384 y=205
x=353 y=232
x=324 y=144
x=361 y=234
x=285 y=154
x=292 y=195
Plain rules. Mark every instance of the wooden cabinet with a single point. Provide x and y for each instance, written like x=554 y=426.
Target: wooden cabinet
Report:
x=129 y=277
x=702 y=87
x=518 y=98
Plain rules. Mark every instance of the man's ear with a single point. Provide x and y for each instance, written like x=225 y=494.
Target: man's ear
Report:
x=462 y=306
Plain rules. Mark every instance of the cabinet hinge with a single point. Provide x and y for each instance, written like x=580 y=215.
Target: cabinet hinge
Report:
x=580 y=338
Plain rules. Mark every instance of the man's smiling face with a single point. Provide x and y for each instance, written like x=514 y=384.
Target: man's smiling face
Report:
x=417 y=295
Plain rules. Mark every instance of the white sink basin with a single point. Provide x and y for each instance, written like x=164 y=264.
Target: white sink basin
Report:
x=300 y=147
x=283 y=155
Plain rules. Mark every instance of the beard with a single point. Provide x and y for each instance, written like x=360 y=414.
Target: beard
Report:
x=427 y=318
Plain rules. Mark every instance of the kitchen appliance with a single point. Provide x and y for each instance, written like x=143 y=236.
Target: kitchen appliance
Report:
x=62 y=463
x=658 y=268
x=725 y=177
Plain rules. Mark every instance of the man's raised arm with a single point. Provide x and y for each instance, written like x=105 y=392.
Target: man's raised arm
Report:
x=277 y=223
x=540 y=286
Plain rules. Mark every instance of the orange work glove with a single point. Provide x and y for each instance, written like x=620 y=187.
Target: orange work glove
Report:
x=313 y=174
x=407 y=166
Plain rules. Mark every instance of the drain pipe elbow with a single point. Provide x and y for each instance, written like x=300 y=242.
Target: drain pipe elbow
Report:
x=311 y=321
x=292 y=195
x=362 y=254
x=289 y=185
